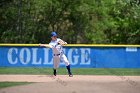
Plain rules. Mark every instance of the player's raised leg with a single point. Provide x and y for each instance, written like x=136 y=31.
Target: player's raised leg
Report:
x=65 y=60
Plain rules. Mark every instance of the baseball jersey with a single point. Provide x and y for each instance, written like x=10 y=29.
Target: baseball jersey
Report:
x=56 y=48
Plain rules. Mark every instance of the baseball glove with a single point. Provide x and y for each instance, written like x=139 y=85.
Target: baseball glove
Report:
x=61 y=42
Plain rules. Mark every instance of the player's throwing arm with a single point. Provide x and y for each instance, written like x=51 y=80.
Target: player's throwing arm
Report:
x=44 y=45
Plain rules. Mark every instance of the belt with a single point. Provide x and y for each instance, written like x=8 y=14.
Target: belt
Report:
x=56 y=54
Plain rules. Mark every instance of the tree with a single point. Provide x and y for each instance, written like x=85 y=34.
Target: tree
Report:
x=75 y=21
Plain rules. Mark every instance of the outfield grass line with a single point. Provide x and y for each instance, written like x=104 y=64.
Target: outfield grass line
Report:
x=76 y=71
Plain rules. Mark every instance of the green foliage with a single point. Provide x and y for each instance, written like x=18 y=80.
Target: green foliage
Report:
x=75 y=21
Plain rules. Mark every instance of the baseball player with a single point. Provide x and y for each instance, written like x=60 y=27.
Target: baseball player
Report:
x=58 y=54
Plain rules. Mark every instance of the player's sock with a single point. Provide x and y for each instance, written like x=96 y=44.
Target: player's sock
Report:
x=54 y=72
x=69 y=70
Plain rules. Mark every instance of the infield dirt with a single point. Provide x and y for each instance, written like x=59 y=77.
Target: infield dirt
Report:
x=75 y=84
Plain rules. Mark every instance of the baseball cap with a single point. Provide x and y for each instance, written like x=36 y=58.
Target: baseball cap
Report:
x=53 y=34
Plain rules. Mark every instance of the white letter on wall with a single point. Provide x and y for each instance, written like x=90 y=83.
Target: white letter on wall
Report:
x=85 y=56
x=70 y=56
x=10 y=55
x=22 y=57
x=35 y=57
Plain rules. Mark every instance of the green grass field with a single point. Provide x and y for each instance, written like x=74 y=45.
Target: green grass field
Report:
x=76 y=71
x=10 y=84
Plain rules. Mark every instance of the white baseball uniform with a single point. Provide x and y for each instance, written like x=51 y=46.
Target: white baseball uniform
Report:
x=58 y=53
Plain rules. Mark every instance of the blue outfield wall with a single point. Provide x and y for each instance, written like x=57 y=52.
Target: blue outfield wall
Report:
x=79 y=56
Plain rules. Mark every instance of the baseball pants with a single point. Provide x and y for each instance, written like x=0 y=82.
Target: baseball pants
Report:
x=57 y=58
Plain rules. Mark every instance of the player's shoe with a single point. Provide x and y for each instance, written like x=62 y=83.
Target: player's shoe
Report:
x=54 y=75
x=69 y=71
x=70 y=75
